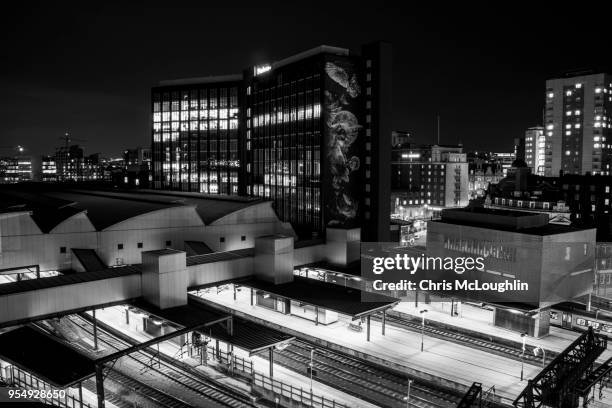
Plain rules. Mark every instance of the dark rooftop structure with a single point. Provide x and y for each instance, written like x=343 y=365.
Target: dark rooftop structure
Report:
x=248 y=336
x=68 y=279
x=344 y=300
x=505 y=220
x=44 y=357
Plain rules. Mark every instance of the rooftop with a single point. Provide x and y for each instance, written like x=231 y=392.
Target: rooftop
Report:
x=45 y=357
x=246 y=335
x=344 y=300
x=505 y=220
x=50 y=205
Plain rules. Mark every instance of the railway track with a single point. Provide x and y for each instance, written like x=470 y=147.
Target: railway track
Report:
x=213 y=395
x=361 y=379
x=509 y=349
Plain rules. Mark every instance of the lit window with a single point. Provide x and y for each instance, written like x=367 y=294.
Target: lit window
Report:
x=577 y=112
x=577 y=125
x=568 y=93
x=549 y=127
x=568 y=113
x=549 y=133
x=568 y=126
x=550 y=94
x=567 y=152
x=597 y=90
x=578 y=86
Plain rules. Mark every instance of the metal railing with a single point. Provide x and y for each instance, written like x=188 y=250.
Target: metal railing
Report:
x=279 y=388
x=296 y=394
x=22 y=379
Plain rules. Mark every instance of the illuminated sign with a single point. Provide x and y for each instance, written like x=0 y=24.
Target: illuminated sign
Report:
x=262 y=69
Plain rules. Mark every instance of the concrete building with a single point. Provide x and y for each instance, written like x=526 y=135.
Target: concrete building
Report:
x=556 y=261
x=578 y=124
x=43 y=226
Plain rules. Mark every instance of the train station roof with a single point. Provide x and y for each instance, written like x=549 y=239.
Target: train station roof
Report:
x=344 y=300
x=44 y=357
x=247 y=335
x=51 y=205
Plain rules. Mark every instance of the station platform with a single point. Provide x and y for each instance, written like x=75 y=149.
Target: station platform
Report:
x=480 y=320
x=114 y=316
x=450 y=364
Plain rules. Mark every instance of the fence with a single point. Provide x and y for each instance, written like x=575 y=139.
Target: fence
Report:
x=22 y=379
x=279 y=388
x=296 y=394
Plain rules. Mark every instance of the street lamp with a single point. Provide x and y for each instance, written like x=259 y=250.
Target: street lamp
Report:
x=523 y=335
x=407 y=397
x=311 y=368
x=535 y=353
x=422 y=312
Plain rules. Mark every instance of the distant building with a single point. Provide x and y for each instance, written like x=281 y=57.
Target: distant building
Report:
x=16 y=169
x=483 y=171
x=48 y=169
x=535 y=150
x=504 y=160
x=570 y=199
x=578 y=122
x=71 y=165
x=426 y=179
x=400 y=137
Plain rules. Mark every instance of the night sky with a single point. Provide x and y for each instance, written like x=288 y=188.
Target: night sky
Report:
x=88 y=68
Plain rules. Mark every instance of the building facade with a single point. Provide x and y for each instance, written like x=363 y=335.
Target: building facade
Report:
x=305 y=132
x=16 y=169
x=429 y=178
x=578 y=124
x=535 y=150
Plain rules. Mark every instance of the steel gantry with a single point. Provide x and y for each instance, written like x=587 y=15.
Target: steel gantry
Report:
x=569 y=377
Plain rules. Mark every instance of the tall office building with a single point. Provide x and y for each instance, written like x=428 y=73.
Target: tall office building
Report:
x=195 y=134
x=535 y=150
x=303 y=132
x=578 y=124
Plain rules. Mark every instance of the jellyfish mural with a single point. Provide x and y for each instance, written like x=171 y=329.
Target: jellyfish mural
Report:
x=342 y=131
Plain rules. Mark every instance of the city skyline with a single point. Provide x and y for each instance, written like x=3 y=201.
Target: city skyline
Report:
x=70 y=73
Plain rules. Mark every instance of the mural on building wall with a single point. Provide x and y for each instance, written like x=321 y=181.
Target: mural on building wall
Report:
x=343 y=129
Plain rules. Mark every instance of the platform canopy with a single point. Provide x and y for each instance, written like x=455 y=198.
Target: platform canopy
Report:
x=344 y=300
x=248 y=336
x=45 y=357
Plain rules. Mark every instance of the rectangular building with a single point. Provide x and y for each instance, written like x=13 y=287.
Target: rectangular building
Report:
x=306 y=132
x=578 y=124
x=434 y=177
x=196 y=136
x=535 y=150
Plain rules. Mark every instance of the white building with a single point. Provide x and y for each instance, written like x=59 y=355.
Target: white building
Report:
x=578 y=124
x=535 y=150
x=43 y=228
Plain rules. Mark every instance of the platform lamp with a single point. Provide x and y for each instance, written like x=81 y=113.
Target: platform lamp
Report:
x=535 y=353
x=422 y=312
x=523 y=338
x=407 y=397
